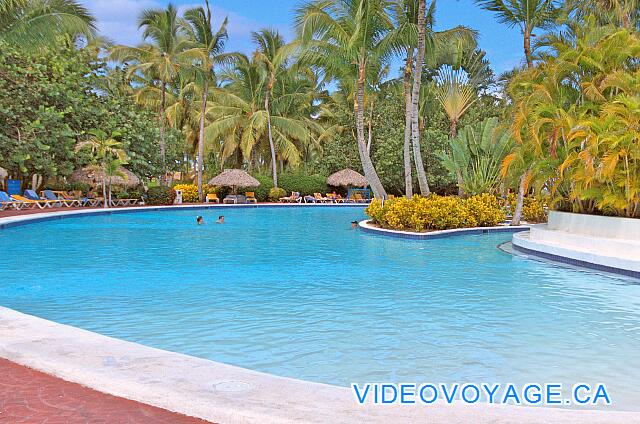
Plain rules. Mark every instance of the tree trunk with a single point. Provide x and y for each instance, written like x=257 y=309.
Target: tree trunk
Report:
x=370 y=129
x=406 y=150
x=527 y=47
x=367 y=166
x=517 y=214
x=200 y=158
x=453 y=133
x=274 y=166
x=104 y=186
x=415 y=101
x=163 y=147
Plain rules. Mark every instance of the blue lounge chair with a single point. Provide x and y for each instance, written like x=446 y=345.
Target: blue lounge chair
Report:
x=7 y=202
x=50 y=195
x=31 y=195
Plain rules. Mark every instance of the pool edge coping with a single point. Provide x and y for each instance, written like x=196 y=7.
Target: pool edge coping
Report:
x=191 y=386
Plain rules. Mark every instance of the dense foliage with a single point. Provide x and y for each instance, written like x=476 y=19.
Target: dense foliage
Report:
x=160 y=195
x=51 y=99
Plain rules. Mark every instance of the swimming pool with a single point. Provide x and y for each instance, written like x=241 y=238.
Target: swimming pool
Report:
x=296 y=292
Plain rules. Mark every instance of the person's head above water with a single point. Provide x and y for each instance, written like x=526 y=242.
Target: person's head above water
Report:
x=199 y=219
x=354 y=224
x=220 y=219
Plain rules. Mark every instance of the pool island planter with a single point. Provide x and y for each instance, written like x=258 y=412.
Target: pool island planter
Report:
x=368 y=227
x=603 y=243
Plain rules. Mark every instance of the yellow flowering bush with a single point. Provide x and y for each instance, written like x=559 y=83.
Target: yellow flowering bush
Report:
x=436 y=212
x=533 y=207
x=189 y=192
x=485 y=209
x=374 y=210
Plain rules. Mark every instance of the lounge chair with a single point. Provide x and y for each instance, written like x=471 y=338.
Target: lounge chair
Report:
x=309 y=199
x=50 y=195
x=294 y=198
x=250 y=197
x=230 y=198
x=7 y=202
x=212 y=198
x=30 y=203
x=32 y=195
x=358 y=198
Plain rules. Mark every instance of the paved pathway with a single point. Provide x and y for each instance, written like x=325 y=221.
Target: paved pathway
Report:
x=29 y=396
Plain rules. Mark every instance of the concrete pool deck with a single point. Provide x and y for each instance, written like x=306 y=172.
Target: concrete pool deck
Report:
x=227 y=394
x=223 y=393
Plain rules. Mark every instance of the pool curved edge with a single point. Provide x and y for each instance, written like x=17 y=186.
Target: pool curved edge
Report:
x=369 y=228
x=228 y=394
x=16 y=220
x=216 y=391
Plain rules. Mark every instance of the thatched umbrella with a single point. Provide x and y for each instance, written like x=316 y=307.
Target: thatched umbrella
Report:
x=234 y=178
x=348 y=178
x=93 y=175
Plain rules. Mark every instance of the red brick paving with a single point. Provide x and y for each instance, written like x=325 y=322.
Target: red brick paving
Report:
x=29 y=396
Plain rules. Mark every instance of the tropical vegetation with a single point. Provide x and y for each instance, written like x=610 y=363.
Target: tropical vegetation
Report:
x=363 y=84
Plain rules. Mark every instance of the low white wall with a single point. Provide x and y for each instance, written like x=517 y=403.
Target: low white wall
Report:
x=594 y=225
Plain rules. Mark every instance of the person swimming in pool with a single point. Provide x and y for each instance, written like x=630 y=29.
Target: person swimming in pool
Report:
x=354 y=224
x=199 y=220
x=220 y=220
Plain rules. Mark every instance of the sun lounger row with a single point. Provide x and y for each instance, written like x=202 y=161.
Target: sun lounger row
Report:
x=51 y=199
x=335 y=198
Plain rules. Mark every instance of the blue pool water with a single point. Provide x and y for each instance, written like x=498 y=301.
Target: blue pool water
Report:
x=298 y=293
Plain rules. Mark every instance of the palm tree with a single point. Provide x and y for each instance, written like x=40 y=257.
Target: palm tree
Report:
x=239 y=120
x=161 y=59
x=272 y=54
x=525 y=14
x=108 y=153
x=344 y=38
x=441 y=47
x=33 y=23
x=622 y=13
x=209 y=48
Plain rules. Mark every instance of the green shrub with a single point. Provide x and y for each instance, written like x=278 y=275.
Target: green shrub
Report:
x=262 y=191
x=304 y=184
x=160 y=195
x=276 y=193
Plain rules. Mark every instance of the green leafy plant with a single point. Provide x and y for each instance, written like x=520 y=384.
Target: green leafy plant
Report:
x=276 y=193
x=161 y=195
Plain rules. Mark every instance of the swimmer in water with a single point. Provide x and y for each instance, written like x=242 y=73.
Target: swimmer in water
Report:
x=199 y=220
x=220 y=220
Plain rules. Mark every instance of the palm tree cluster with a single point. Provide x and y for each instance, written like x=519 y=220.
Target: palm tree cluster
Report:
x=568 y=124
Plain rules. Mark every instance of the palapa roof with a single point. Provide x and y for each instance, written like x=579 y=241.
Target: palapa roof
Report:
x=347 y=177
x=93 y=175
x=234 y=178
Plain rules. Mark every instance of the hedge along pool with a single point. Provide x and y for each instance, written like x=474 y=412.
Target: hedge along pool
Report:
x=296 y=292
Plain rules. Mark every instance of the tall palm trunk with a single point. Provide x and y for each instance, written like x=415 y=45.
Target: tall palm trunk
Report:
x=274 y=166
x=406 y=150
x=163 y=147
x=517 y=214
x=370 y=129
x=367 y=166
x=523 y=178
x=104 y=186
x=453 y=133
x=415 y=101
x=201 y=140
x=527 y=47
